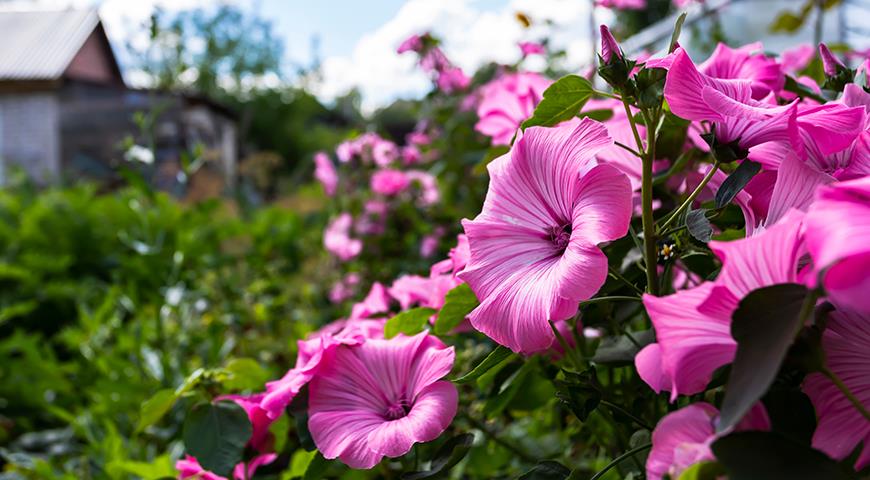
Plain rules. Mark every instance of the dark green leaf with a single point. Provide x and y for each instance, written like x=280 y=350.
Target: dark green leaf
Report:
x=766 y=455
x=621 y=350
x=671 y=137
x=216 y=434
x=547 y=470
x=409 y=322
x=497 y=356
x=736 y=181
x=508 y=390
x=579 y=392
x=678 y=28
x=317 y=468
x=764 y=326
x=458 y=303
x=451 y=453
x=801 y=90
x=562 y=100
x=699 y=227
x=650 y=87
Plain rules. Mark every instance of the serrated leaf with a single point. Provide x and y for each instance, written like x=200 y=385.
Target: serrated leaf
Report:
x=562 y=101
x=409 y=322
x=451 y=453
x=764 y=326
x=495 y=357
x=699 y=226
x=216 y=434
x=736 y=181
x=754 y=455
x=458 y=303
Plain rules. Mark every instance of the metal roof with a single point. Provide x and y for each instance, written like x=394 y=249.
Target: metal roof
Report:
x=39 y=45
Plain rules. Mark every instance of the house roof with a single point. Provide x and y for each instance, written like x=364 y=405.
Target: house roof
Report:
x=39 y=45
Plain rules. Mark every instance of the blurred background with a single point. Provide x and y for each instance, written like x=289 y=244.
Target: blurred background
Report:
x=158 y=212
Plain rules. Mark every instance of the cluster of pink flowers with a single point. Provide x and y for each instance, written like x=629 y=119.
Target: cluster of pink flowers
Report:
x=388 y=178
x=447 y=77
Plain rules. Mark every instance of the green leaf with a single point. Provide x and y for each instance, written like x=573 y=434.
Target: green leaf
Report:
x=562 y=100
x=579 y=392
x=160 y=467
x=491 y=154
x=508 y=390
x=458 y=303
x=764 y=326
x=621 y=350
x=600 y=114
x=216 y=434
x=801 y=90
x=497 y=356
x=736 y=181
x=245 y=374
x=787 y=22
x=317 y=468
x=678 y=28
x=699 y=226
x=547 y=470
x=451 y=453
x=703 y=471
x=153 y=409
x=18 y=309
x=755 y=455
x=299 y=463
x=409 y=322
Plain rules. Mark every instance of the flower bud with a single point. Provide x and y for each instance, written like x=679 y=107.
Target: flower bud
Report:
x=614 y=68
x=832 y=65
x=609 y=47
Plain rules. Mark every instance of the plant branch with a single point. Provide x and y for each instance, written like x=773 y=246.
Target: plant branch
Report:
x=629 y=149
x=628 y=414
x=614 y=298
x=827 y=372
x=613 y=273
x=688 y=202
x=616 y=461
x=649 y=234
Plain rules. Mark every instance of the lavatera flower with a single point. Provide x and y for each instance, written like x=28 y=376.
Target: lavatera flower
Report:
x=534 y=246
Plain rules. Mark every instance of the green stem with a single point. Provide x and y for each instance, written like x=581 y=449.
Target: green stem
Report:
x=649 y=234
x=633 y=125
x=628 y=149
x=686 y=204
x=616 y=461
x=628 y=414
x=614 y=298
x=848 y=393
x=618 y=276
x=605 y=94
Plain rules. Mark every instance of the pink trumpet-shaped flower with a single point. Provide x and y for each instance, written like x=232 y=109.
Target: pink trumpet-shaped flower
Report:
x=841 y=427
x=507 y=102
x=534 y=246
x=280 y=393
x=745 y=63
x=609 y=47
x=693 y=327
x=380 y=398
x=377 y=301
x=324 y=172
x=337 y=240
x=838 y=239
x=683 y=438
x=728 y=104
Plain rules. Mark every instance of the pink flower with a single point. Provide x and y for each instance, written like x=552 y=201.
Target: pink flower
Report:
x=344 y=288
x=429 y=193
x=728 y=104
x=189 y=468
x=622 y=4
x=411 y=155
x=374 y=218
x=429 y=244
x=414 y=43
x=833 y=136
x=620 y=131
x=409 y=290
x=452 y=79
x=831 y=64
x=389 y=182
x=381 y=397
x=838 y=239
x=377 y=301
x=683 y=438
x=418 y=138
x=796 y=58
x=693 y=327
x=280 y=393
x=324 y=172
x=531 y=48
x=507 y=102
x=336 y=238
x=384 y=152
x=746 y=63
x=534 y=252
x=609 y=47
x=841 y=427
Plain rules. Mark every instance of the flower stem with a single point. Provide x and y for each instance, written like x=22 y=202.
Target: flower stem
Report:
x=616 y=461
x=618 y=276
x=649 y=234
x=632 y=124
x=827 y=372
x=614 y=298
x=691 y=197
x=628 y=414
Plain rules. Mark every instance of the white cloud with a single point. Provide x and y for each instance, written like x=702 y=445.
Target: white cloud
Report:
x=472 y=37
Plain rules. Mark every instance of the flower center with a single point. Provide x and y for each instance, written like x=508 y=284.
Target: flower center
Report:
x=560 y=236
x=397 y=410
